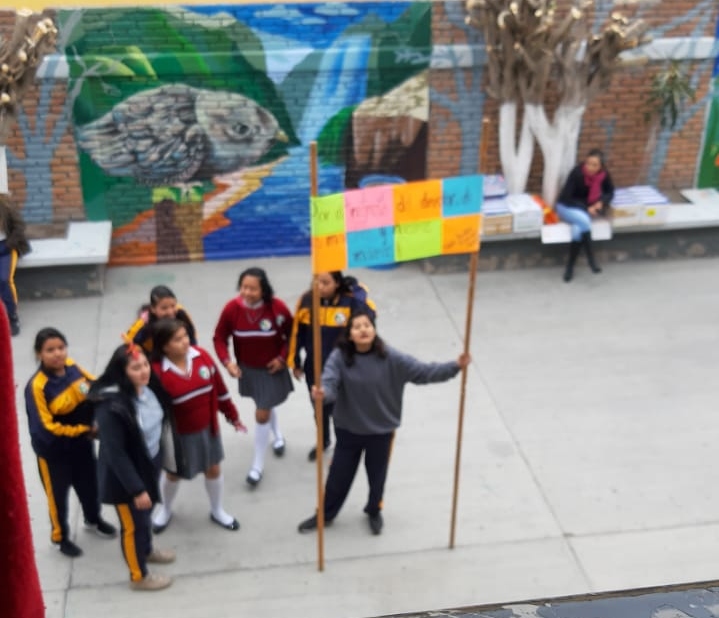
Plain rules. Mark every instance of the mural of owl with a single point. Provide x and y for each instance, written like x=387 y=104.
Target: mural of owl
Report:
x=177 y=134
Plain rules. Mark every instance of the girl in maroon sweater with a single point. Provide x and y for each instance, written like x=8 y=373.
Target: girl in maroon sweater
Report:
x=197 y=391
x=259 y=325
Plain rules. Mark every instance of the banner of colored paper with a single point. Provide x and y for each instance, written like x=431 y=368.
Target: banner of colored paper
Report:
x=395 y=223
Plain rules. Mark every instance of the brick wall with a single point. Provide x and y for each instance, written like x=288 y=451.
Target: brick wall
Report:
x=273 y=221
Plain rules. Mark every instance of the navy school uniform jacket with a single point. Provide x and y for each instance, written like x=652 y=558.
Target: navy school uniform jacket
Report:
x=58 y=412
x=141 y=331
x=125 y=468
x=334 y=315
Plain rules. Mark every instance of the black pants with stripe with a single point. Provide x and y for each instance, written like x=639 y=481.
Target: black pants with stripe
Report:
x=8 y=293
x=77 y=468
x=345 y=461
x=135 y=538
x=136 y=532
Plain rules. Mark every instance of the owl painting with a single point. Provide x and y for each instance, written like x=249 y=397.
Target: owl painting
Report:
x=177 y=134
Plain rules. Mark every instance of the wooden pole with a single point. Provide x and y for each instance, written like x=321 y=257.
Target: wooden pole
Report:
x=473 y=264
x=317 y=366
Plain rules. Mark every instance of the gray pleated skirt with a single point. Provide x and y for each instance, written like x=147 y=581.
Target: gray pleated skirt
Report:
x=200 y=450
x=266 y=389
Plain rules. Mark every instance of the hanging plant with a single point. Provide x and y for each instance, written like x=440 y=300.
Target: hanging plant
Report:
x=668 y=94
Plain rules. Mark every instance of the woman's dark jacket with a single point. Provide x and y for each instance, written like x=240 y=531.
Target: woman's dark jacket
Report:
x=125 y=468
x=14 y=227
x=575 y=191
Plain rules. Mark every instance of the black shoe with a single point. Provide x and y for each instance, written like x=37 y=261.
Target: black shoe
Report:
x=310 y=524
x=253 y=477
x=279 y=447
x=312 y=455
x=159 y=529
x=376 y=523
x=14 y=327
x=101 y=528
x=68 y=548
x=233 y=525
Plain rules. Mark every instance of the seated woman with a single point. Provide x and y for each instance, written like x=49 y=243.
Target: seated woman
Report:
x=587 y=192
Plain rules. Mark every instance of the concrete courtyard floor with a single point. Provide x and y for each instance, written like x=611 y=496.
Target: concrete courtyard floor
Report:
x=589 y=453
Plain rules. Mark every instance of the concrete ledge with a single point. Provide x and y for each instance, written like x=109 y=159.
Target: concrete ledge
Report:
x=67 y=267
x=529 y=252
x=87 y=242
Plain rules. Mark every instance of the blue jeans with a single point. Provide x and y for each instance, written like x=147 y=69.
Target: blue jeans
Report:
x=578 y=219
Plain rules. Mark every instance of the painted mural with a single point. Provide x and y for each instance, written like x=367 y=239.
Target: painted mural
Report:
x=193 y=124
x=709 y=162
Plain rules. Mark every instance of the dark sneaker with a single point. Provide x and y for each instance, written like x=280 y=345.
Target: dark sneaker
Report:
x=312 y=455
x=14 y=327
x=68 y=548
x=278 y=447
x=376 y=523
x=310 y=524
x=101 y=529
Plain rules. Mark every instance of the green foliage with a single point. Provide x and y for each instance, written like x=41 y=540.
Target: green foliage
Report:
x=333 y=137
x=669 y=92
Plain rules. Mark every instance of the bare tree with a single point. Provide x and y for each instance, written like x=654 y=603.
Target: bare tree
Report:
x=534 y=48
x=32 y=38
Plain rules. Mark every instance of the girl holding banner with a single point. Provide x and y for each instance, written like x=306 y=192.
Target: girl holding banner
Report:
x=340 y=296
x=365 y=380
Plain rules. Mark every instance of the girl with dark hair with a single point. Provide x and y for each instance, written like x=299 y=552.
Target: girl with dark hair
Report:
x=587 y=194
x=13 y=245
x=60 y=420
x=340 y=296
x=130 y=407
x=191 y=379
x=163 y=305
x=365 y=379
x=259 y=325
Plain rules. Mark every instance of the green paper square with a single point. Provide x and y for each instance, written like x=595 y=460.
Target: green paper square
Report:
x=417 y=240
x=327 y=214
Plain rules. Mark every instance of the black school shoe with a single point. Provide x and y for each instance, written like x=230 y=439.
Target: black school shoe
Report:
x=376 y=523
x=312 y=455
x=233 y=525
x=101 y=528
x=68 y=548
x=310 y=524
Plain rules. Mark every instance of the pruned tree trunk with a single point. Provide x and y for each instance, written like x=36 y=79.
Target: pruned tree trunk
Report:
x=558 y=142
x=515 y=156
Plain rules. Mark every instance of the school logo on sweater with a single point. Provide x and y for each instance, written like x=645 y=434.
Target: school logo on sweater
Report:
x=84 y=388
x=340 y=319
x=204 y=372
x=265 y=324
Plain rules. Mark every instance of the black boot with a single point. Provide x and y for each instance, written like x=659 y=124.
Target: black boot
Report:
x=574 y=247
x=587 y=242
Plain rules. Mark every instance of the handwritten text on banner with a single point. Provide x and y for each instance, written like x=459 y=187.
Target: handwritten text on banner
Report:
x=395 y=223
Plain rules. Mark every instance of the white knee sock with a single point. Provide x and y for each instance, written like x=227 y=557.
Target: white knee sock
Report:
x=262 y=436
x=168 y=491
x=275 y=425
x=214 y=489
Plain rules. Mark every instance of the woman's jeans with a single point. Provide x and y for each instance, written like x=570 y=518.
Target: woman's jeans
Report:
x=578 y=219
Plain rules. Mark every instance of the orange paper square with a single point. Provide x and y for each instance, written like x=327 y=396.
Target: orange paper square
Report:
x=461 y=234
x=329 y=253
x=418 y=201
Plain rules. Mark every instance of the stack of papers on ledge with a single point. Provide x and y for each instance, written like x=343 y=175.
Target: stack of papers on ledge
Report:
x=640 y=195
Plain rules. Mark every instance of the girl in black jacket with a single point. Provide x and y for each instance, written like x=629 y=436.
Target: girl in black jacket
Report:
x=130 y=408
